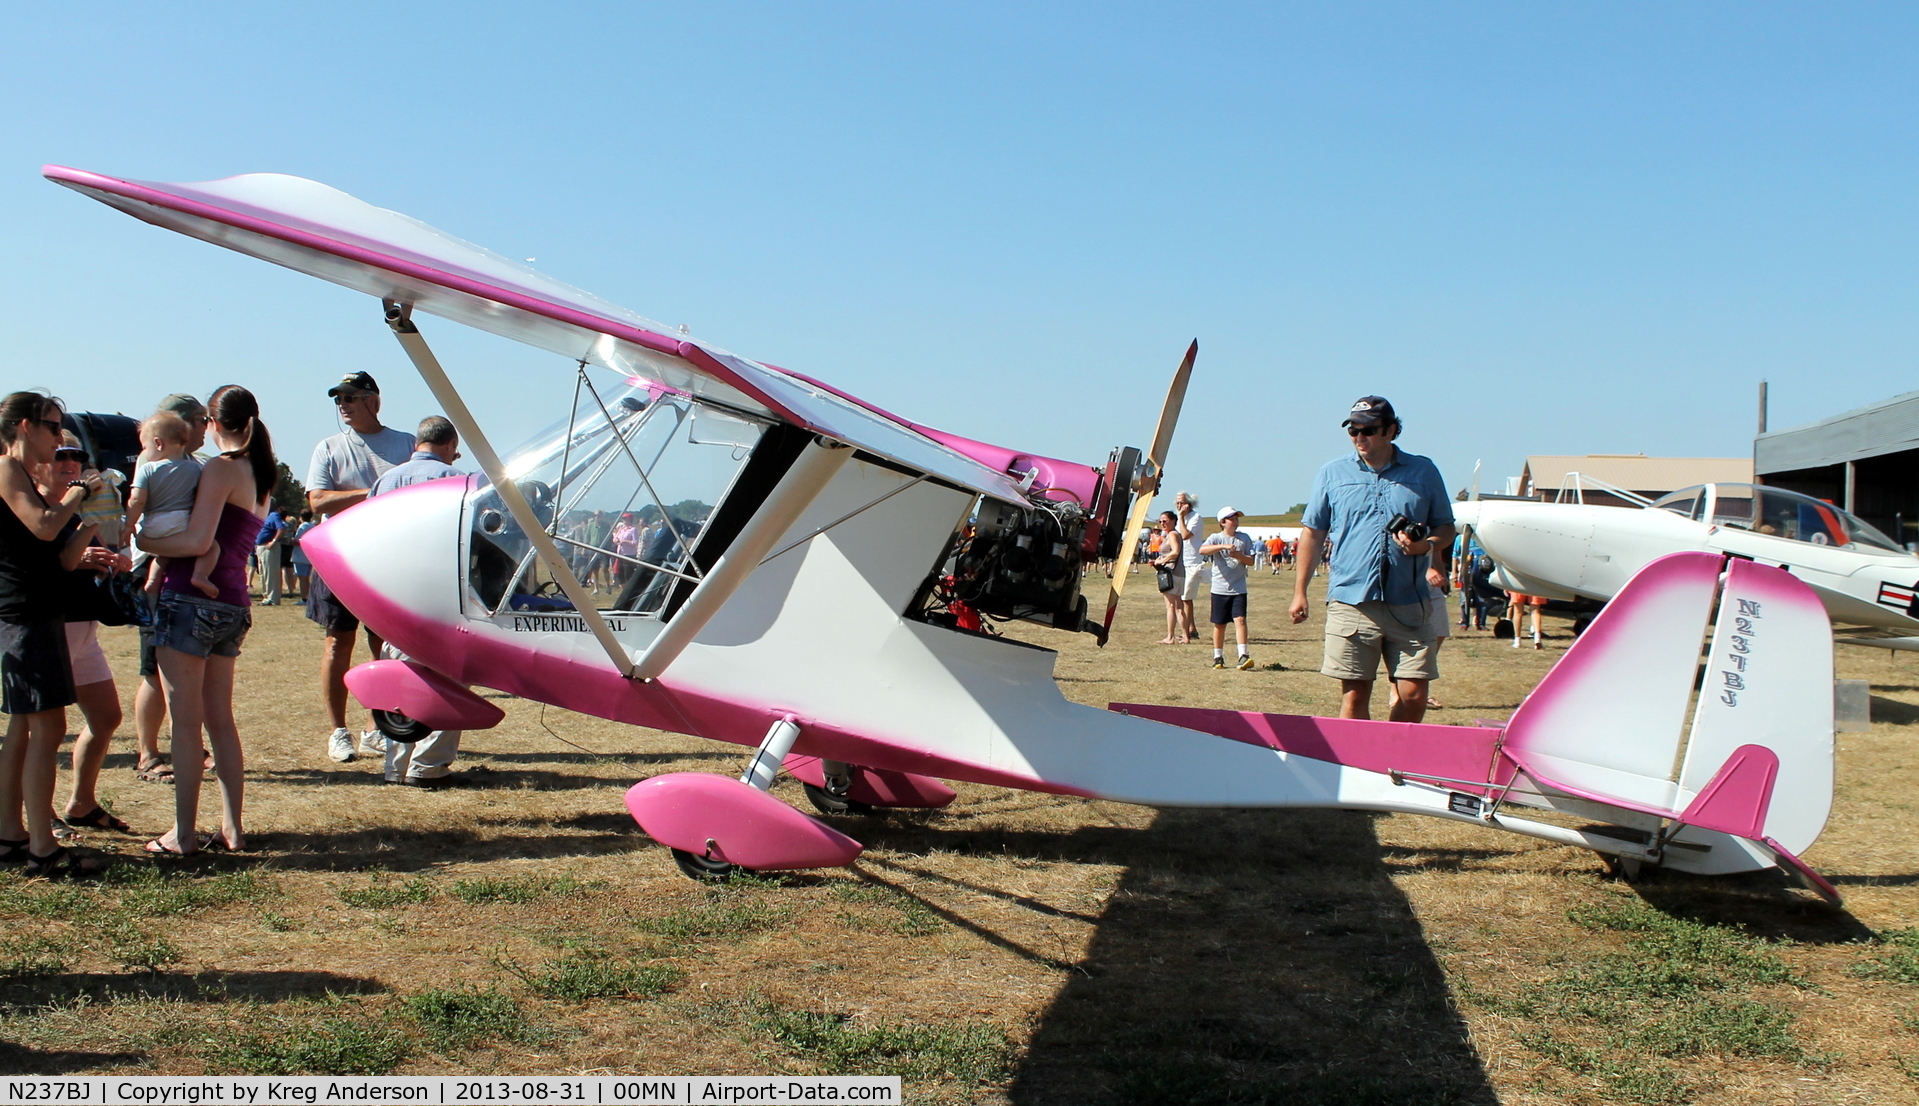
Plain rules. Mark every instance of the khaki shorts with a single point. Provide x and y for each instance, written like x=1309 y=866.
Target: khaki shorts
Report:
x=1358 y=637
x=1199 y=581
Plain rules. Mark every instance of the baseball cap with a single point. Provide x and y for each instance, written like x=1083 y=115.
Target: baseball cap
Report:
x=183 y=405
x=1369 y=411
x=359 y=382
x=1228 y=512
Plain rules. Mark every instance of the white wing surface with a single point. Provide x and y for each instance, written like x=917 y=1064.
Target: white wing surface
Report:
x=323 y=232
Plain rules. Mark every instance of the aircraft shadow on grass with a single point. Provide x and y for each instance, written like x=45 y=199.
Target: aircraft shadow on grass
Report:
x=36 y=992
x=18 y=1059
x=1275 y=974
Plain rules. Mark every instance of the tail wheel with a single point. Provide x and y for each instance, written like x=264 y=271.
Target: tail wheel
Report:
x=398 y=727
x=703 y=869
x=826 y=802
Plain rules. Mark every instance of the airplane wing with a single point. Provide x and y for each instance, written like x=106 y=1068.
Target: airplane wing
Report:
x=323 y=232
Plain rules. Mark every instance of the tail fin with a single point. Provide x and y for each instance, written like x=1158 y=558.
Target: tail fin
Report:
x=1609 y=722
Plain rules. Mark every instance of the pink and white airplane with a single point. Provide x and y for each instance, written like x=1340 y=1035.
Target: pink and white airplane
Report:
x=811 y=573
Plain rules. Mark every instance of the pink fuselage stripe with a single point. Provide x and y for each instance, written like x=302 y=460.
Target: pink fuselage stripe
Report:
x=145 y=192
x=596 y=689
x=1418 y=749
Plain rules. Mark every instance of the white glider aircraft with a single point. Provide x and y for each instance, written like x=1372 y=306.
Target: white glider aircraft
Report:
x=817 y=579
x=1868 y=584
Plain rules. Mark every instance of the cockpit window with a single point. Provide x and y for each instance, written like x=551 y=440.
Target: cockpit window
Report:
x=1685 y=501
x=1780 y=513
x=626 y=488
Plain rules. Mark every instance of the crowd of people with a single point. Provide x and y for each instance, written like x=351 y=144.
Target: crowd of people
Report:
x=181 y=549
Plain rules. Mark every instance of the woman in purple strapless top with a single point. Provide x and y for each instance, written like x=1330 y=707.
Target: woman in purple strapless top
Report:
x=196 y=638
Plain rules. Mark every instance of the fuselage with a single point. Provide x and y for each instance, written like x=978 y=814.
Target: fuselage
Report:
x=1564 y=550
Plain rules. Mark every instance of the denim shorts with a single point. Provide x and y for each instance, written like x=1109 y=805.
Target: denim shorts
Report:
x=200 y=627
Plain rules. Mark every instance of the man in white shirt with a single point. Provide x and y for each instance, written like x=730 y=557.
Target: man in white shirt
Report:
x=343 y=470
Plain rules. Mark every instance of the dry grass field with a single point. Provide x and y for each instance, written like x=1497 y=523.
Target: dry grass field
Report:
x=1013 y=948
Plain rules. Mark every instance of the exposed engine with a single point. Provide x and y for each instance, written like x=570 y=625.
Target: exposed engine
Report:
x=1023 y=561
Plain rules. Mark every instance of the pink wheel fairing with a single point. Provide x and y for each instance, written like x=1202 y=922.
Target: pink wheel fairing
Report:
x=746 y=826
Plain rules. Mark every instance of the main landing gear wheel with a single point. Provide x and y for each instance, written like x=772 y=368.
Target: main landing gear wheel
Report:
x=826 y=802
x=698 y=867
x=398 y=727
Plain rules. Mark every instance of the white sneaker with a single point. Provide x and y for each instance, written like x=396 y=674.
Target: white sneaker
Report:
x=340 y=745
x=372 y=744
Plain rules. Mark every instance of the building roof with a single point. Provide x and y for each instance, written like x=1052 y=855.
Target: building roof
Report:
x=1889 y=426
x=1635 y=472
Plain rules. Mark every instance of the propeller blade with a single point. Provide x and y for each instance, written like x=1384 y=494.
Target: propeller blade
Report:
x=1146 y=482
x=1169 y=412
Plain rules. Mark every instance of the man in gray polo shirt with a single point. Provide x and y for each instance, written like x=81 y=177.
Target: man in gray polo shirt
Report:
x=1384 y=590
x=343 y=470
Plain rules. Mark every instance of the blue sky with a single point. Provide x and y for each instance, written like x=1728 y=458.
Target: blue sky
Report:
x=1536 y=228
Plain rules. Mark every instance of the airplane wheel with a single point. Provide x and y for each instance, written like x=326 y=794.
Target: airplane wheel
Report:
x=398 y=727
x=695 y=866
x=826 y=803
x=1623 y=867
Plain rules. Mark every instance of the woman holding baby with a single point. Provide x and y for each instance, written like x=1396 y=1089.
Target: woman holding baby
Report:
x=197 y=636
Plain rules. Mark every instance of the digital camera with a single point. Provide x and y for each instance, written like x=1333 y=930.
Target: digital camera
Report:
x=1414 y=531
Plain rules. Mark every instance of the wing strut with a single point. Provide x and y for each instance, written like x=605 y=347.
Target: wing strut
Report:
x=399 y=317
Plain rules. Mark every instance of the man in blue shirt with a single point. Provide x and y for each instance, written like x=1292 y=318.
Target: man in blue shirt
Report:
x=427 y=762
x=266 y=549
x=1384 y=592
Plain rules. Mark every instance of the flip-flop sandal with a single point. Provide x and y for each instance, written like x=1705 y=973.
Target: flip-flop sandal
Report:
x=14 y=852
x=159 y=847
x=214 y=843
x=61 y=863
x=98 y=818
x=157 y=770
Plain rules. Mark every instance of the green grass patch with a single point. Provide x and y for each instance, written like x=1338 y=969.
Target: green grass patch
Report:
x=149 y=892
x=21 y=898
x=907 y=916
x=26 y=957
x=336 y=1045
x=1680 y=988
x=1626 y=1077
x=130 y=945
x=729 y=912
x=384 y=893
x=969 y=1052
x=1899 y=962
x=1710 y=956
x=462 y=1017
x=515 y=889
x=588 y=973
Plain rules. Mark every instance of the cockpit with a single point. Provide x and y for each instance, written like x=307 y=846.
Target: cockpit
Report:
x=632 y=487
x=1776 y=512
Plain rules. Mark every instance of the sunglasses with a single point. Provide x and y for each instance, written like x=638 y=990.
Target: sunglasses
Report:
x=1363 y=431
x=69 y=454
x=341 y=399
x=51 y=424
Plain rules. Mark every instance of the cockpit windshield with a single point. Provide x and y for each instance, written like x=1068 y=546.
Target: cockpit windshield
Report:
x=626 y=486
x=1778 y=512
